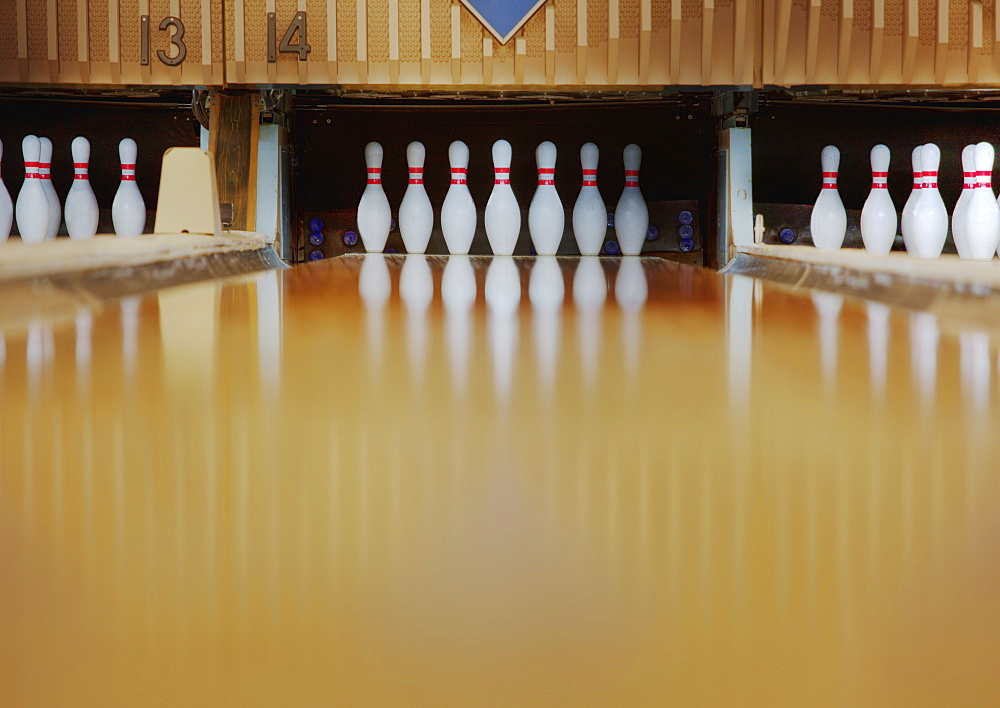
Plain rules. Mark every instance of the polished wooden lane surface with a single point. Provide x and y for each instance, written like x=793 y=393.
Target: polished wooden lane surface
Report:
x=423 y=481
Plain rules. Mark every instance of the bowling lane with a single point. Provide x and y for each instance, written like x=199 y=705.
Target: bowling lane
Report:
x=428 y=480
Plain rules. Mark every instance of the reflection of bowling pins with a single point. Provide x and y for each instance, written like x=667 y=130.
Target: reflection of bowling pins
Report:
x=878 y=345
x=416 y=288
x=374 y=215
x=828 y=307
x=130 y=335
x=374 y=286
x=503 y=295
x=458 y=291
x=974 y=356
x=590 y=291
x=924 y=336
x=631 y=291
x=84 y=325
x=546 y=291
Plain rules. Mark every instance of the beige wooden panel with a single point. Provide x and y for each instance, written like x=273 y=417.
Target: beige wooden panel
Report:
x=566 y=44
x=927 y=43
x=100 y=42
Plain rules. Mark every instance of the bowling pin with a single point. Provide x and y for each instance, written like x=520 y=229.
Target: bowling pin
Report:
x=503 y=215
x=590 y=215
x=6 y=205
x=458 y=213
x=45 y=175
x=546 y=216
x=81 y=204
x=968 y=186
x=930 y=217
x=374 y=215
x=982 y=215
x=878 y=216
x=631 y=214
x=906 y=222
x=416 y=217
x=128 y=211
x=32 y=208
x=828 y=222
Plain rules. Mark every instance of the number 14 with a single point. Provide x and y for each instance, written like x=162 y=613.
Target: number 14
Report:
x=298 y=24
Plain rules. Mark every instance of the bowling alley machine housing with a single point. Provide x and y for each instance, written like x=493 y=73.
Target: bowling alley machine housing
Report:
x=731 y=104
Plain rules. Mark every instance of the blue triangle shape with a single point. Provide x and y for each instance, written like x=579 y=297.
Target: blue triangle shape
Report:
x=503 y=17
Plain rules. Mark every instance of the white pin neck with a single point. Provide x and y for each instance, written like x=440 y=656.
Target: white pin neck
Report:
x=930 y=158
x=80 y=149
x=458 y=155
x=30 y=148
x=45 y=150
x=373 y=156
x=984 y=165
x=880 y=156
x=128 y=151
x=589 y=156
x=830 y=158
x=915 y=159
x=501 y=154
x=545 y=157
x=415 y=155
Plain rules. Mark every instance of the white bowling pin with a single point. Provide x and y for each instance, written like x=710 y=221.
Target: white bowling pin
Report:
x=546 y=216
x=930 y=217
x=631 y=214
x=6 y=205
x=128 y=210
x=45 y=175
x=416 y=216
x=590 y=215
x=828 y=222
x=878 y=216
x=32 y=209
x=982 y=215
x=968 y=186
x=81 y=204
x=906 y=222
x=458 y=213
x=503 y=215
x=374 y=215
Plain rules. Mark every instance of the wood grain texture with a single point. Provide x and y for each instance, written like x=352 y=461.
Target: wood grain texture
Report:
x=233 y=130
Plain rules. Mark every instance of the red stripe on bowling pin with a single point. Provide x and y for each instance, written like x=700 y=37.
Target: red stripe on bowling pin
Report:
x=416 y=175
x=502 y=175
x=374 y=175
x=879 y=180
x=829 y=180
x=458 y=175
x=128 y=171
x=80 y=170
x=986 y=182
x=545 y=175
x=631 y=178
x=590 y=178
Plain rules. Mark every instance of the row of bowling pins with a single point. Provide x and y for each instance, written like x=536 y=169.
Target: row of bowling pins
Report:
x=975 y=221
x=546 y=218
x=38 y=210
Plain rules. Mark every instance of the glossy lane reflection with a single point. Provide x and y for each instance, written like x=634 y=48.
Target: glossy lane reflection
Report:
x=299 y=487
